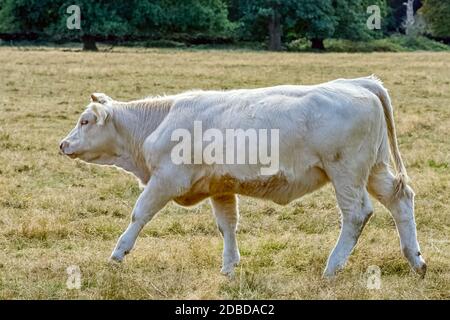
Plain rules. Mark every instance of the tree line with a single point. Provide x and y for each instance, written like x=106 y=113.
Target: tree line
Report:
x=273 y=22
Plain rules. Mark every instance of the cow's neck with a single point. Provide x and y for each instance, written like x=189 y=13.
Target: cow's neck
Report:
x=134 y=122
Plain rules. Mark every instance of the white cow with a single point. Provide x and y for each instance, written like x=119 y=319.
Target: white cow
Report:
x=340 y=132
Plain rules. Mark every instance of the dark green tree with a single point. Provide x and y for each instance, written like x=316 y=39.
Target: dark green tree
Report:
x=115 y=19
x=99 y=19
x=437 y=16
x=272 y=18
x=351 y=19
x=28 y=16
x=209 y=16
x=313 y=19
x=48 y=19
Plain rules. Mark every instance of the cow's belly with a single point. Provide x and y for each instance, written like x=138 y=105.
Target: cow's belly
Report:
x=277 y=188
x=282 y=190
x=191 y=198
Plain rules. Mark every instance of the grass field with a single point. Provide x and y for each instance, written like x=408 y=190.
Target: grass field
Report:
x=55 y=212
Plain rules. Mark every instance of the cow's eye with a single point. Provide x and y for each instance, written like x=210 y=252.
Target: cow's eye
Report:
x=84 y=122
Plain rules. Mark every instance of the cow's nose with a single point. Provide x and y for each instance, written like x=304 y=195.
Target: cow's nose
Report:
x=63 y=145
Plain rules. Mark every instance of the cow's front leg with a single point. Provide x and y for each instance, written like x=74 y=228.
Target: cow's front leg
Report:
x=152 y=199
x=227 y=214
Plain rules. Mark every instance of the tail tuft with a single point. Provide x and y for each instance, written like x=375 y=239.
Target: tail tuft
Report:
x=376 y=79
x=401 y=184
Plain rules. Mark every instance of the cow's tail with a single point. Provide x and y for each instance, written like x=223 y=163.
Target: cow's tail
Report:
x=378 y=89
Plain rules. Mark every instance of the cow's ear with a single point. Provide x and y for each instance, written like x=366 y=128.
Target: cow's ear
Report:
x=100 y=98
x=101 y=114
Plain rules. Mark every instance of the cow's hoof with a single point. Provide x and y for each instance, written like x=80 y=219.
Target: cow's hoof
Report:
x=330 y=273
x=328 y=276
x=116 y=258
x=228 y=270
x=421 y=269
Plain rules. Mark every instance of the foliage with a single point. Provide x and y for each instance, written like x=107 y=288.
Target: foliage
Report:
x=114 y=18
x=394 y=43
x=352 y=17
x=306 y=18
x=437 y=15
x=27 y=16
x=309 y=17
x=215 y=21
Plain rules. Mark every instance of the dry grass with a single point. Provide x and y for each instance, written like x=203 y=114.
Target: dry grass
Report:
x=55 y=212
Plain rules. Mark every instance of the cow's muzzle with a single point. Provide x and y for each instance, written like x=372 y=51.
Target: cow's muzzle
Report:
x=63 y=147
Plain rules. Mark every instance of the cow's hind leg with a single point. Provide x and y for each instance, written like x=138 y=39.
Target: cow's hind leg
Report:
x=154 y=197
x=383 y=186
x=356 y=209
x=226 y=211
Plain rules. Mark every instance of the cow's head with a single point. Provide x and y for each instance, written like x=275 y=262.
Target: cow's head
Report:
x=92 y=139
